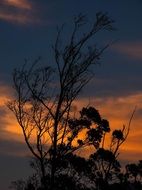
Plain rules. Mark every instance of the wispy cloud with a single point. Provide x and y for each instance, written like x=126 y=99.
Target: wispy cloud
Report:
x=131 y=49
x=22 y=4
x=19 y=12
x=14 y=18
x=8 y=125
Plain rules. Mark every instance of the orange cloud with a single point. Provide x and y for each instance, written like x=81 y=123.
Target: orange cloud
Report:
x=22 y=19
x=132 y=49
x=5 y=92
x=116 y=109
x=22 y=4
x=18 y=12
x=7 y=120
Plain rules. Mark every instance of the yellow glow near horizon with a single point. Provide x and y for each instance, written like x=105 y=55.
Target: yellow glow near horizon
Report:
x=116 y=109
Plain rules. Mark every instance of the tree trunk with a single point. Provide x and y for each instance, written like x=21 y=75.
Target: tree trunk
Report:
x=43 y=177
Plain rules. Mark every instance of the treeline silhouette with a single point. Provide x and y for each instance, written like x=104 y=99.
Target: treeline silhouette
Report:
x=53 y=131
x=102 y=170
x=81 y=177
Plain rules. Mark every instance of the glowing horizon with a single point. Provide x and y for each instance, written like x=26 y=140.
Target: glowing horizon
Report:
x=116 y=109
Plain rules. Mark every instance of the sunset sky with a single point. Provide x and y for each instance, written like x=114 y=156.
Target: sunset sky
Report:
x=28 y=30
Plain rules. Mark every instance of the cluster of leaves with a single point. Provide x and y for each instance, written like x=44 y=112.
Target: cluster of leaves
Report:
x=89 y=117
x=134 y=171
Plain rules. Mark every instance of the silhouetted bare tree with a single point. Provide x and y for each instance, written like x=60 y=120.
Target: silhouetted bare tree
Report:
x=44 y=96
x=72 y=170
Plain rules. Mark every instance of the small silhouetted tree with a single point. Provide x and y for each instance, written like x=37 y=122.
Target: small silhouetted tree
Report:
x=105 y=167
x=18 y=185
x=44 y=96
x=134 y=172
